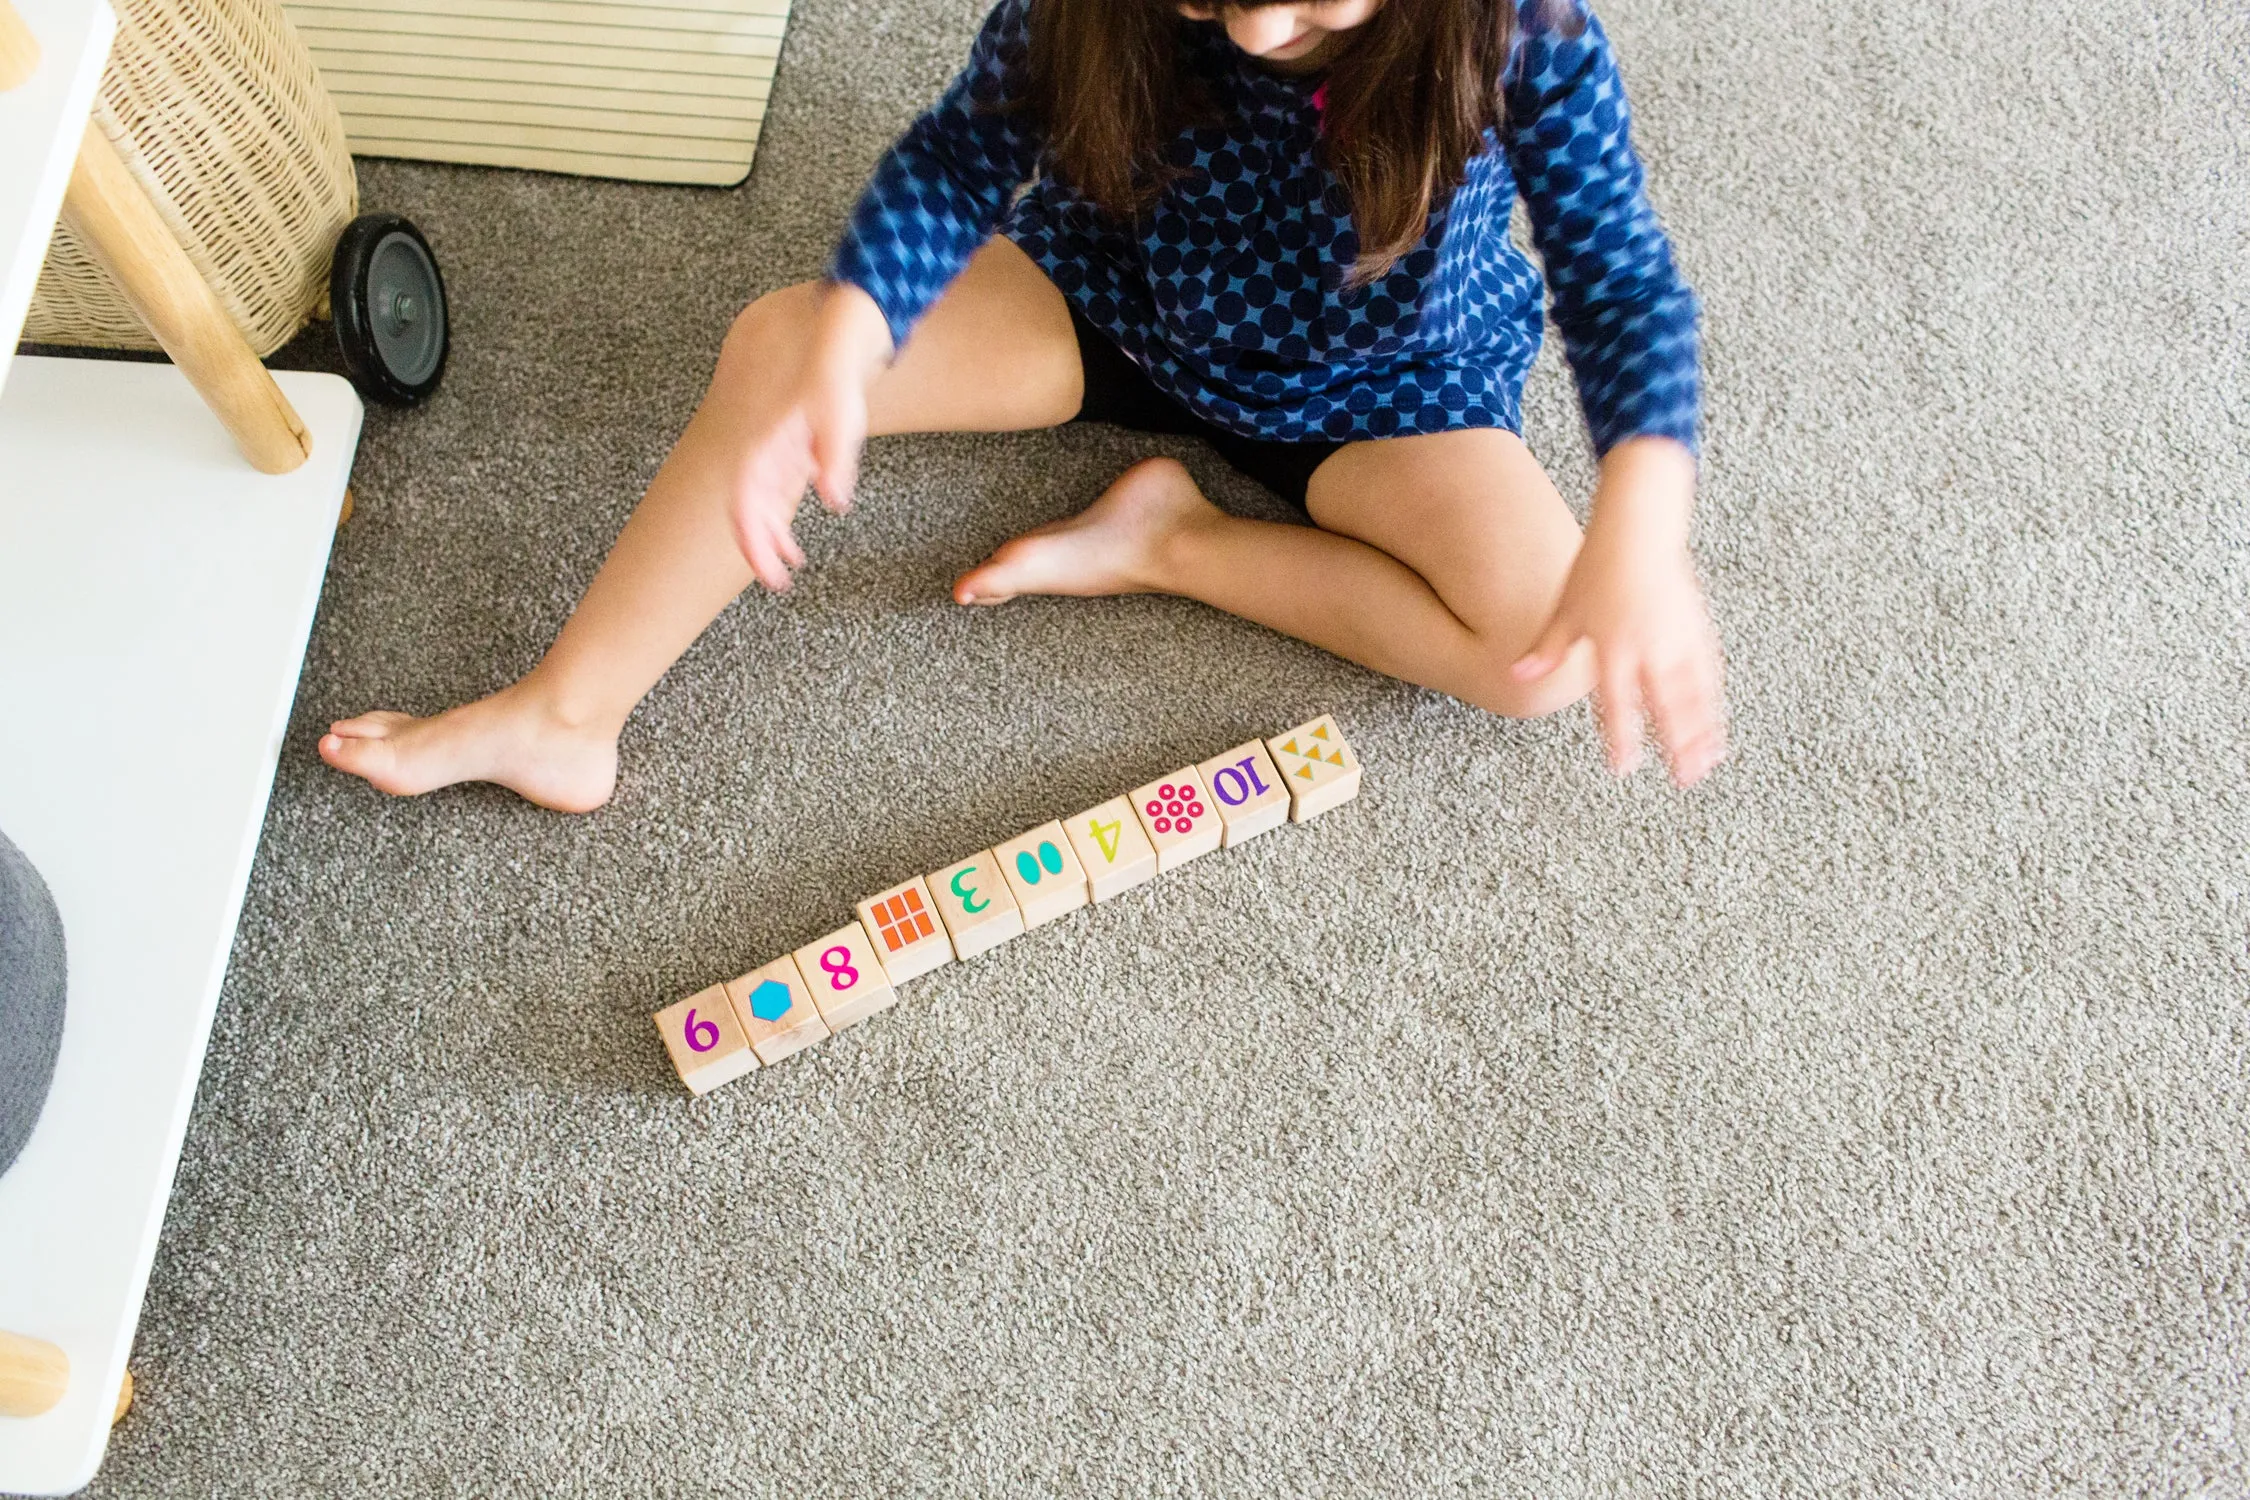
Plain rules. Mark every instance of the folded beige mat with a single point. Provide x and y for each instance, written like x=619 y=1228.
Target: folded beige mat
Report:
x=671 y=93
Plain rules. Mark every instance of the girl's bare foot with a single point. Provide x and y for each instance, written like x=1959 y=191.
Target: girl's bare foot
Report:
x=1114 y=546
x=511 y=738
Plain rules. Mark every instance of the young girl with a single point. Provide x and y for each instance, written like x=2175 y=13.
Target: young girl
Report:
x=1283 y=227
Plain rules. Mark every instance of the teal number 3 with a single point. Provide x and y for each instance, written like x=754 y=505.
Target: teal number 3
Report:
x=971 y=902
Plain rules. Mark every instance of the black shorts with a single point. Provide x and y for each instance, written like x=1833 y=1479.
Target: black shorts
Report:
x=1119 y=392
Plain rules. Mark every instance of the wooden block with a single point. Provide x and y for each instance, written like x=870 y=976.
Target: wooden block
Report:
x=847 y=980
x=1179 y=816
x=903 y=921
x=776 y=1011
x=1318 y=765
x=1248 y=789
x=1112 y=848
x=974 y=903
x=1043 y=874
x=705 y=1039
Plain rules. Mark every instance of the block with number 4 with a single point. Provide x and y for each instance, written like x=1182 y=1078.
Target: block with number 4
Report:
x=705 y=1040
x=1317 y=766
x=1042 y=874
x=847 y=980
x=972 y=899
x=1179 y=817
x=1111 y=848
x=903 y=923
x=1248 y=790
x=776 y=1010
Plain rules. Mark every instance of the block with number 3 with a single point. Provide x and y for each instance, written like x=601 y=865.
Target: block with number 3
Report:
x=1179 y=817
x=974 y=903
x=776 y=1010
x=1042 y=874
x=847 y=980
x=1317 y=765
x=705 y=1040
x=1248 y=789
x=1112 y=848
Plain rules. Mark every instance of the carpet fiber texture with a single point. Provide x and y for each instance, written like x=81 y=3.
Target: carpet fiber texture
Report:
x=1873 y=1121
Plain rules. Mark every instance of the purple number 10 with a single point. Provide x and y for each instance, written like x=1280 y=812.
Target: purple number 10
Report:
x=1247 y=781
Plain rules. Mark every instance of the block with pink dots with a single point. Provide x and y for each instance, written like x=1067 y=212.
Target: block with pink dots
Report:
x=973 y=906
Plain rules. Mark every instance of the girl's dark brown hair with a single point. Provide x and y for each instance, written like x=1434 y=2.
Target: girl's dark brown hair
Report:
x=1410 y=96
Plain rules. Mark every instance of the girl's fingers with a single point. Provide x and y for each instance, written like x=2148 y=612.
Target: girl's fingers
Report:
x=1548 y=651
x=1683 y=716
x=835 y=452
x=1617 y=701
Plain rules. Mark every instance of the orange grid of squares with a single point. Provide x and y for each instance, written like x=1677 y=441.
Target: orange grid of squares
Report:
x=903 y=919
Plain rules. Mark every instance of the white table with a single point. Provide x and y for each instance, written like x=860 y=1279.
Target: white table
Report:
x=39 y=128
x=156 y=593
x=155 y=599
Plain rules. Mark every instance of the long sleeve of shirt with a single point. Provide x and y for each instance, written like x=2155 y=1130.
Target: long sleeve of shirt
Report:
x=1627 y=317
x=938 y=193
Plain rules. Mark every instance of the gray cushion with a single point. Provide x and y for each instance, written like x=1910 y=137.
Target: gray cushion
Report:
x=31 y=997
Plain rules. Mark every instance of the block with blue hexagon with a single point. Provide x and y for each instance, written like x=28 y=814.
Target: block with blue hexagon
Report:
x=776 y=1010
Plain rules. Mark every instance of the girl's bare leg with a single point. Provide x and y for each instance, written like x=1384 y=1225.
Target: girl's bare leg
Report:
x=995 y=353
x=1436 y=558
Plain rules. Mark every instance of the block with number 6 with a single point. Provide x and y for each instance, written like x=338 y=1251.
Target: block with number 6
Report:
x=1112 y=848
x=847 y=980
x=1179 y=818
x=705 y=1040
x=1317 y=765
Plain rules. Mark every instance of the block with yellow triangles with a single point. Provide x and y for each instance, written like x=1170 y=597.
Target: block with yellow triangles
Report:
x=1318 y=767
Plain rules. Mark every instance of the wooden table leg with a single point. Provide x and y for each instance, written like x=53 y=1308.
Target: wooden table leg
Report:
x=19 y=49
x=33 y=1375
x=122 y=228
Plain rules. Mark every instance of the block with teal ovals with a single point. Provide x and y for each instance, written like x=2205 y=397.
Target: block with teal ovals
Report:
x=1043 y=874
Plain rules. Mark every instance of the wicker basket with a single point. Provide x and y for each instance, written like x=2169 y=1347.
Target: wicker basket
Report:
x=217 y=109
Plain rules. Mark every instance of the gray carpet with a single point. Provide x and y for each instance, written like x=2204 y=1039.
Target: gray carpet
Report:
x=1871 y=1122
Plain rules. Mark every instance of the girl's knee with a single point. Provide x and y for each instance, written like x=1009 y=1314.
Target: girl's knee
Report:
x=785 y=313
x=1498 y=691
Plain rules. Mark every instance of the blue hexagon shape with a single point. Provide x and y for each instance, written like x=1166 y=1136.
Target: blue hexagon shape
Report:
x=770 y=1000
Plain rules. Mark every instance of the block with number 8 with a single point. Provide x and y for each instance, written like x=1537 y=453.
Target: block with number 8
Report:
x=1112 y=848
x=847 y=980
x=1178 y=815
x=705 y=1040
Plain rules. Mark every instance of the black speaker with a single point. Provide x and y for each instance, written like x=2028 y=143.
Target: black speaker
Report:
x=32 y=987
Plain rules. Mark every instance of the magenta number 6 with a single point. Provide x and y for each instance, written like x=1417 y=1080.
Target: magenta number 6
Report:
x=702 y=1036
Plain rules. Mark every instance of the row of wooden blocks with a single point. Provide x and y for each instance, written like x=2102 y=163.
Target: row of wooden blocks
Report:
x=966 y=909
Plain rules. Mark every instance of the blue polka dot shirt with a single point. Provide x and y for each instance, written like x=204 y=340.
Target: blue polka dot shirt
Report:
x=1230 y=293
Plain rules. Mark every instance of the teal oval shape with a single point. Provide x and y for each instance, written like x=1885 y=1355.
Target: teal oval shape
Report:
x=1050 y=856
x=1028 y=868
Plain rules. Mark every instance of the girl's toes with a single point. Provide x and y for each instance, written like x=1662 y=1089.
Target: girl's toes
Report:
x=369 y=726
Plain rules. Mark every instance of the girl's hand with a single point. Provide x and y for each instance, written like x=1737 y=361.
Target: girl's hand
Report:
x=1632 y=593
x=813 y=436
